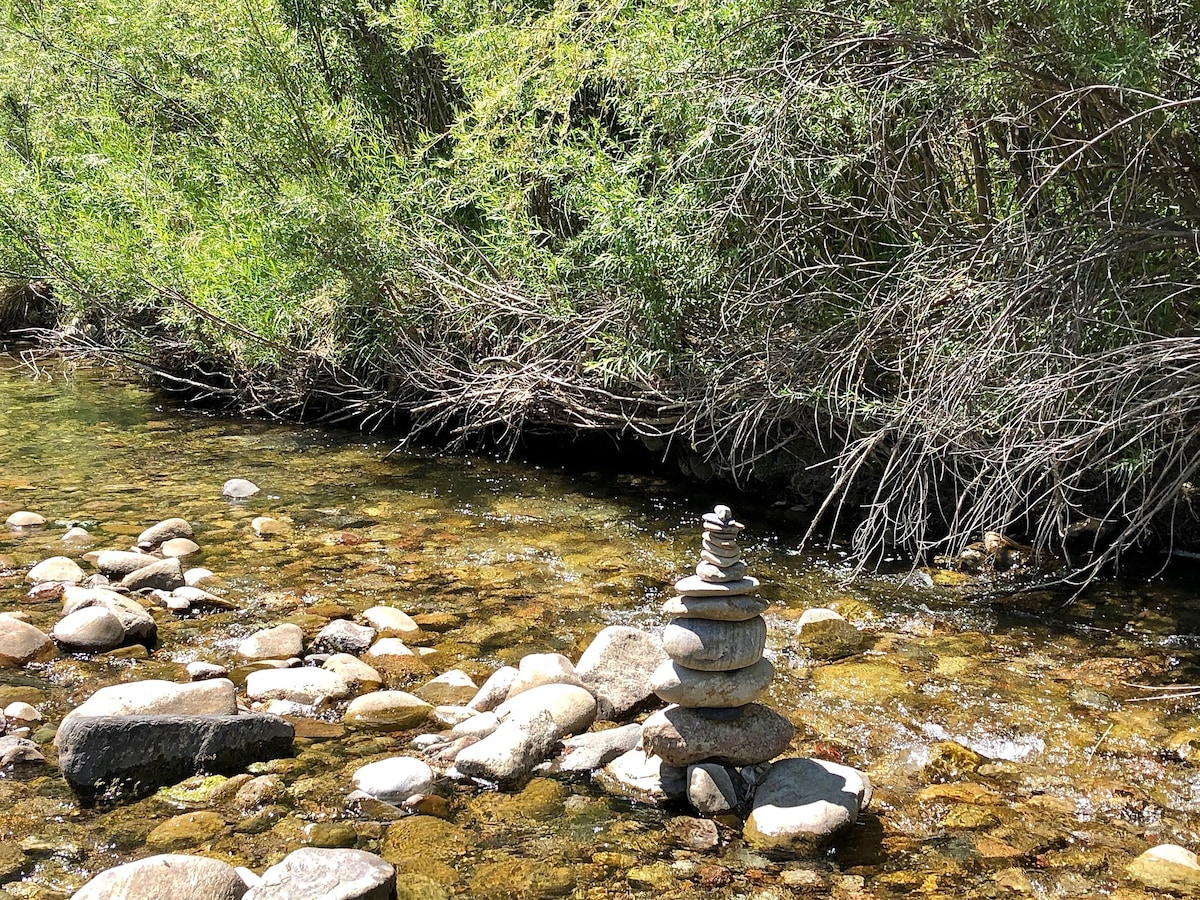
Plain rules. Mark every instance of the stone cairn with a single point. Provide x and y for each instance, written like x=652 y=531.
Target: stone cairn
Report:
x=716 y=669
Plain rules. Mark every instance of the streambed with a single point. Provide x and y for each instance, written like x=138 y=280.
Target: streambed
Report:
x=1010 y=753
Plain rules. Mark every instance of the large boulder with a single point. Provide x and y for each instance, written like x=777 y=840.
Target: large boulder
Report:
x=312 y=873
x=170 y=876
x=748 y=736
x=805 y=802
x=616 y=667
x=122 y=757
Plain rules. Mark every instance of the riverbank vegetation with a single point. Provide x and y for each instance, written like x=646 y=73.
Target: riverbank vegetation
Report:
x=930 y=268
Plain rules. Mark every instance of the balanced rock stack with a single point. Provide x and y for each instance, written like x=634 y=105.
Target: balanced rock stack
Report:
x=716 y=668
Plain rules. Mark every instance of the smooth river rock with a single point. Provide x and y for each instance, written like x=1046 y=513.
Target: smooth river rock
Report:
x=387 y=711
x=22 y=643
x=24 y=519
x=119 y=563
x=215 y=696
x=313 y=873
x=239 y=489
x=306 y=685
x=139 y=625
x=803 y=802
x=93 y=629
x=691 y=687
x=616 y=668
x=1167 y=867
x=121 y=757
x=171 y=876
x=278 y=642
x=56 y=568
x=343 y=636
x=710 y=789
x=166 y=530
x=162 y=575
x=494 y=690
x=586 y=752
x=731 y=608
x=646 y=779
x=531 y=725
x=453 y=688
x=712 y=646
x=537 y=669
x=179 y=548
x=392 y=622
x=394 y=779
x=682 y=736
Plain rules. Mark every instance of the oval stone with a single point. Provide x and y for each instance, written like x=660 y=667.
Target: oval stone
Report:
x=695 y=586
x=713 y=646
x=690 y=687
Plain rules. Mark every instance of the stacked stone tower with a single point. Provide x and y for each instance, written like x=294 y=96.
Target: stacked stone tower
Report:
x=716 y=669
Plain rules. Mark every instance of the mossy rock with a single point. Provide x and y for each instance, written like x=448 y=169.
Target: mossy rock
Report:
x=541 y=800
x=423 y=845
x=188 y=830
x=517 y=877
x=950 y=761
x=862 y=681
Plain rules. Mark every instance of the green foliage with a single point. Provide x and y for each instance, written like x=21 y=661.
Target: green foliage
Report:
x=798 y=226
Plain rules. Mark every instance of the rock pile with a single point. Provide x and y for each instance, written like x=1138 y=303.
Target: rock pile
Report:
x=716 y=669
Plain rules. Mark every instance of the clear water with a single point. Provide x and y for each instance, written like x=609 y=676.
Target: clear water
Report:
x=1075 y=774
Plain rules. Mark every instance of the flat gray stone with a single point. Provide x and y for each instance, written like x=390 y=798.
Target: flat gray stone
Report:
x=278 y=642
x=616 y=667
x=695 y=586
x=171 y=876
x=804 y=802
x=162 y=575
x=313 y=873
x=715 y=646
x=215 y=696
x=305 y=685
x=721 y=574
x=684 y=736
x=590 y=751
x=122 y=757
x=729 y=608
x=674 y=683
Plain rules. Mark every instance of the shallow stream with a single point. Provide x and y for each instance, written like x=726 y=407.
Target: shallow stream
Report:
x=1012 y=753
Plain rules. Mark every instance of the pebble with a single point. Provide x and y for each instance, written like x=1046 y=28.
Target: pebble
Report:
x=387 y=711
x=394 y=779
x=239 y=489
x=710 y=789
x=163 y=574
x=169 y=877
x=56 y=568
x=24 y=519
x=315 y=873
x=201 y=671
x=279 y=642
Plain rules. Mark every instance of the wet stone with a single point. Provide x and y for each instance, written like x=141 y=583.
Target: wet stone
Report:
x=169 y=876
x=343 y=636
x=314 y=873
x=187 y=830
x=166 y=530
x=239 y=489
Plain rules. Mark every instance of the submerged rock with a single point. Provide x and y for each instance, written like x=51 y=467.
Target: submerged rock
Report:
x=130 y=756
x=646 y=779
x=166 y=877
x=387 y=711
x=826 y=635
